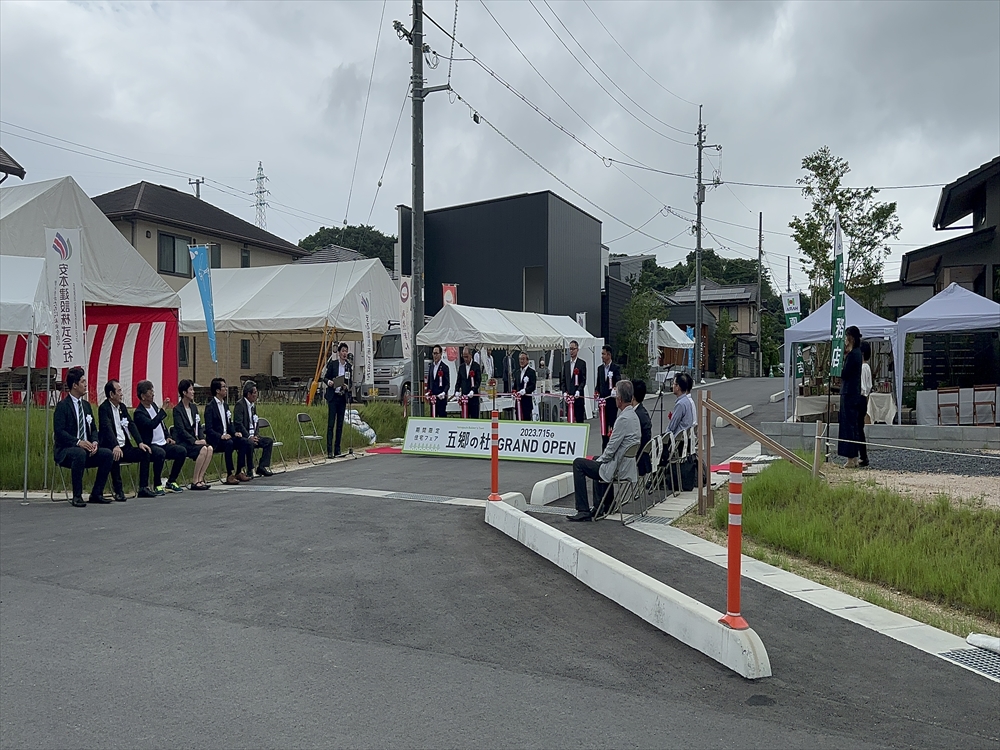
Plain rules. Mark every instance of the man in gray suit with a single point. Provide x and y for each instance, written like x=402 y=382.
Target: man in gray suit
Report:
x=626 y=433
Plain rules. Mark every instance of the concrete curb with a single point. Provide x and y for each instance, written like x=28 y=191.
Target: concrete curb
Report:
x=551 y=489
x=673 y=612
x=776 y=397
x=743 y=412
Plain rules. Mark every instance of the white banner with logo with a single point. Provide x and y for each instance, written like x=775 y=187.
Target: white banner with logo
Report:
x=652 y=343
x=64 y=275
x=406 y=315
x=365 y=303
x=551 y=442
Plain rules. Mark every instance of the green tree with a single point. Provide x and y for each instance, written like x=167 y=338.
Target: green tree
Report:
x=366 y=240
x=866 y=225
x=724 y=345
x=642 y=308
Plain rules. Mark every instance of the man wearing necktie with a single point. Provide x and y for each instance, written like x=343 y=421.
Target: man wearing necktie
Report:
x=337 y=397
x=608 y=375
x=524 y=383
x=573 y=382
x=245 y=424
x=438 y=382
x=75 y=437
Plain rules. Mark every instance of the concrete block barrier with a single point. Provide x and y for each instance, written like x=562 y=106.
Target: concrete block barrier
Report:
x=743 y=412
x=776 y=397
x=551 y=489
x=667 y=609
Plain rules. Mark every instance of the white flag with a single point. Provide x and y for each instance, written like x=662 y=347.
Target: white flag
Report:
x=364 y=301
x=64 y=274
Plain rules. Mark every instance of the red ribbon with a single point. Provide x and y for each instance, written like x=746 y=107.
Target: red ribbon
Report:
x=604 y=423
x=463 y=401
x=571 y=408
x=517 y=404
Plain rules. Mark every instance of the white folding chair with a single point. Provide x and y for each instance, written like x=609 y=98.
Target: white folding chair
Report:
x=307 y=439
x=623 y=489
x=264 y=424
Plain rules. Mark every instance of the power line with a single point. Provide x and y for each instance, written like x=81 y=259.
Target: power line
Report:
x=799 y=187
x=603 y=88
x=389 y=152
x=676 y=96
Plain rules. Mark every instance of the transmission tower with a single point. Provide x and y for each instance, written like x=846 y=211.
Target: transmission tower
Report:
x=260 y=195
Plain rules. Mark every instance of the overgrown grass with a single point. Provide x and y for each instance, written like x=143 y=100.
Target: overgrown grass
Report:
x=385 y=418
x=930 y=550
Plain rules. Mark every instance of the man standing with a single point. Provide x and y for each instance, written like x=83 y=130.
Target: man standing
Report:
x=117 y=434
x=437 y=383
x=524 y=382
x=245 y=423
x=74 y=433
x=608 y=375
x=338 y=392
x=470 y=377
x=573 y=382
x=219 y=427
x=149 y=420
x=627 y=433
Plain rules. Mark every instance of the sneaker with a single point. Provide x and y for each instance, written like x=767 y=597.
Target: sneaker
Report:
x=160 y=491
x=174 y=487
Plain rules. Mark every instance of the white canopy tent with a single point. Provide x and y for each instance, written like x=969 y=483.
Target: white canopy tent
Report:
x=24 y=306
x=457 y=325
x=670 y=336
x=292 y=297
x=953 y=309
x=538 y=332
x=816 y=327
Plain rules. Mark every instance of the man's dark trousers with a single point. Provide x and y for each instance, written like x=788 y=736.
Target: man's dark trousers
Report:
x=584 y=469
x=77 y=460
x=336 y=408
x=130 y=455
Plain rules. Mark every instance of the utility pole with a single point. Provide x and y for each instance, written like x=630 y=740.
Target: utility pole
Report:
x=789 y=273
x=699 y=198
x=197 y=182
x=760 y=293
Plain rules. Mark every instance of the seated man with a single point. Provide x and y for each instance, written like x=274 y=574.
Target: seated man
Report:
x=644 y=463
x=627 y=433
x=149 y=419
x=120 y=435
x=219 y=426
x=245 y=424
x=682 y=418
x=74 y=432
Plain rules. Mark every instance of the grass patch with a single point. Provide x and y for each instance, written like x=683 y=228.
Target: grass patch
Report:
x=932 y=551
x=385 y=418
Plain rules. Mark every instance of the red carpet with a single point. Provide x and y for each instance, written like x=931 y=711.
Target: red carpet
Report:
x=384 y=449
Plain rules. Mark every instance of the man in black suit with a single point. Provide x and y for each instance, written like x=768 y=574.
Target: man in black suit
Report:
x=245 y=423
x=149 y=419
x=608 y=375
x=336 y=399
x=644 y=464
x=437 y=383
x=219 y=426
x=470 y=378
x=524 y=383
x=120 y=435
x=74 y=432
x=573 y=382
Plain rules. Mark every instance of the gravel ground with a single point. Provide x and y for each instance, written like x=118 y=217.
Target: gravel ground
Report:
x=969 y=464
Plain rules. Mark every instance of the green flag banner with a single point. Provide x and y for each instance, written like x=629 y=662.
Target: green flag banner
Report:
x=838 y=317
x=790 y=304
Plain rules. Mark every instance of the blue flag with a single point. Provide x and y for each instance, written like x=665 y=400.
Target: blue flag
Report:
x=203 y=272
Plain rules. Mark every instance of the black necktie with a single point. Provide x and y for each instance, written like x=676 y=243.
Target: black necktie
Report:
x=81 y=429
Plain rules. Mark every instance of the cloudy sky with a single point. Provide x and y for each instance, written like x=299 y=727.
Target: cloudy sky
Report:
x=909 y=93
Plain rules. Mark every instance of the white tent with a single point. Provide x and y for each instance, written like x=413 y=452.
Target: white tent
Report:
x=114 y=273
x=24 y=304
x=953 y=309
x=293 y=297
x=671 y=336
x=539 y=333
x=816 y=327
x=478 y=326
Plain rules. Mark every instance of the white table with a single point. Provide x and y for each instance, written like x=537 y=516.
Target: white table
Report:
x=881 y=406
x=927 y=404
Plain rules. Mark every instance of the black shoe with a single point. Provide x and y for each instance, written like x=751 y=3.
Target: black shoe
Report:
x=329 y=454
x=77 y=502
x=146 y=492
x=263 y=471
x=119 y=497
x=581 y=516
x=99 y=499
x=862 y=464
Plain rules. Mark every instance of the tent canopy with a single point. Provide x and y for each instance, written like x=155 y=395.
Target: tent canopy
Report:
x=293 y=297
x=539 y=333
x=24 y=304
x=671 y=336
x=953 y=309
x=114 y=273
x=816 y=327
x=479 y=326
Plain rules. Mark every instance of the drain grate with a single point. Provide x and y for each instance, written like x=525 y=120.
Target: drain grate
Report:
x=554 y=510
x=978 y=659
x=417 y=497
x=652 y=519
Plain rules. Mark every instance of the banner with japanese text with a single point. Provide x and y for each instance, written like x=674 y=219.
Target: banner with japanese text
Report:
x=406 y=315
x=838 y=322
x=547 y=442
x=791 y=304
x=64 y=276
x=202 y=268
x=365 y=303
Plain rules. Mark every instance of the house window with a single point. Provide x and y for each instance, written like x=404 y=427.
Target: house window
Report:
x=183 y=351
x=244 y=354
x=172 y=255
x=216 y=253
x=245 y=258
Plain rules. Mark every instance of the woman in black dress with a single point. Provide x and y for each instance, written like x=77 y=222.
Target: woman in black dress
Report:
x=850 y=398
x=189 y=433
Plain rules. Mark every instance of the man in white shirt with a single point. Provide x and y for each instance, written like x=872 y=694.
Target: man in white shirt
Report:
x=524 y=387
x=866 y=389
x=219 y=426
x=149 y=419
x=573 y=382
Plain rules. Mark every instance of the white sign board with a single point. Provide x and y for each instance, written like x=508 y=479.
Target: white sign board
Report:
x=406 y=316
x=550 y=442
x=64 y=274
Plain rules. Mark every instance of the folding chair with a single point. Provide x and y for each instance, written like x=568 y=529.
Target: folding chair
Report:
x=61 y=472
x=984 y=395
x=681 y=446
x=263 y=424
x=307 y=438
x=948 y=403
x=623 y=489
x=643 y=487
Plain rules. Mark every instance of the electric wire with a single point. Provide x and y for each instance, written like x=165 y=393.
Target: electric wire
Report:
x=389 y=152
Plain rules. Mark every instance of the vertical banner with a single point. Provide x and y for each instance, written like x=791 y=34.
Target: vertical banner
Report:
x=793 y=313
x=652 y=348
x=839 y=320
x=449 y=294
x=365 y=302
x=581 y=319
x=690 y=352
x=406 y=315
x=64 y=275
x=202 y=268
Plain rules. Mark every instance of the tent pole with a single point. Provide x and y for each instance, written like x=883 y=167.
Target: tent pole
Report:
x=314 y=385
x=27 y=414
x=48 y=397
